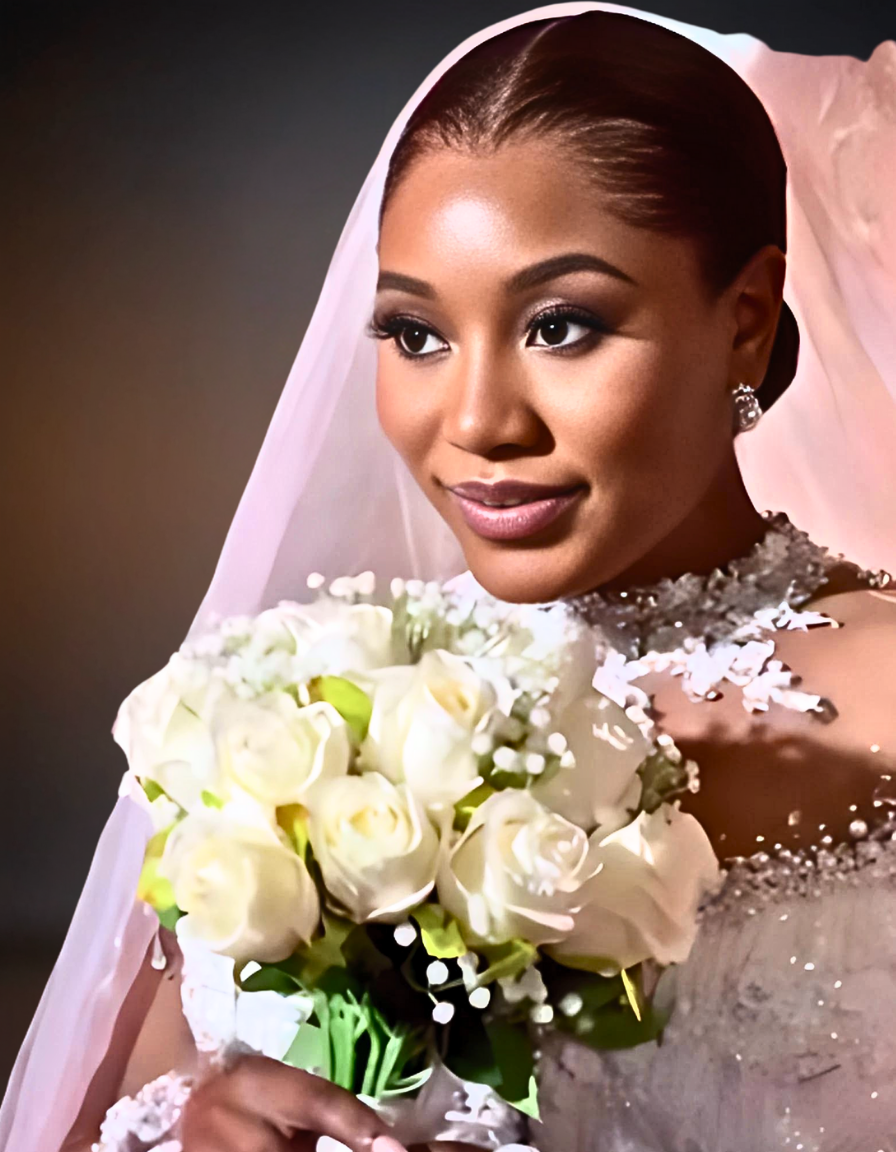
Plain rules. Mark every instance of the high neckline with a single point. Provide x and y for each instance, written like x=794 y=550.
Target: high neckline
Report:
x=780 y=572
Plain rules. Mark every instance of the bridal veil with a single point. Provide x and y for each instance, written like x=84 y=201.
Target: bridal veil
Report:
x=329 y=494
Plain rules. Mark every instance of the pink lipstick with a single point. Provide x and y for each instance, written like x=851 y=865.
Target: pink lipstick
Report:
x=512 y=509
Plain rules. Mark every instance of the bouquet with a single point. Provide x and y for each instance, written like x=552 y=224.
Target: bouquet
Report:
x=399 y=838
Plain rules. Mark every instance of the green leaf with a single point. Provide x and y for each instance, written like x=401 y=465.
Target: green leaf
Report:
x=502 y=779
x=363 y=956
x=156 y=844
x=499 y=1054
x=596 y=991
x=273 y=978
x=153 y=889
x=661 y=780
x=607 y=1018
x=326 y=951
x=467 y=805
x=293 y=819
x=351 y=702
x=507 y=961
x=440 y=932
x=469 y=1054
x=512 y=1049
x=153 y=790
x=210 y=800
x=617 y=1027
x=631 y=993
x=168 y=917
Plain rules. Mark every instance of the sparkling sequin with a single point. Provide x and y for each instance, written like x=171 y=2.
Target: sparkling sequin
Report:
x=727 y=620
x=784 y=568
x=808 y=1030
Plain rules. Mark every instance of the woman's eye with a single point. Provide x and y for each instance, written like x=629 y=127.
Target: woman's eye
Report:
x=416 y=339
x=412 y=338
x=561 y=330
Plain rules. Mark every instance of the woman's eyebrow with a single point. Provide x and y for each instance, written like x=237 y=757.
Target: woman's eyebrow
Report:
x=534 y=274
x=556 y=266
x=404 y=283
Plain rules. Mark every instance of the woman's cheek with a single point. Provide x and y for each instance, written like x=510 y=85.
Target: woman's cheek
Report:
x=403 y=414
x=604 y=418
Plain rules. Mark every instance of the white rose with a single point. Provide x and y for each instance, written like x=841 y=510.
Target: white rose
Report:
x=276 y=750
x=162 y=727
x=245 y=893
x=422 y=726
x=643 y=902
x=376 y=850
x=333 y=637
x=602 y=787
x=517 y=871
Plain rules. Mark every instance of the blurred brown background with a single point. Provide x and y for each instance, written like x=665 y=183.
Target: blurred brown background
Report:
x=174 y=176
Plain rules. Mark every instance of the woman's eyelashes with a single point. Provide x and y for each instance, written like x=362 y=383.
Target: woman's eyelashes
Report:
x=410 y=336
x=561 y=329
x=557 y=323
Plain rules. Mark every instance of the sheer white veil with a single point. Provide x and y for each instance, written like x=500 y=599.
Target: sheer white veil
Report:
x=328 y=493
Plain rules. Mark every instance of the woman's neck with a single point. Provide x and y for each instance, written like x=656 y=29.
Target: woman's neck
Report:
x=723 y=527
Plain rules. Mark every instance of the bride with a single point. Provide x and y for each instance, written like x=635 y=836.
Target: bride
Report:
x=578 y=237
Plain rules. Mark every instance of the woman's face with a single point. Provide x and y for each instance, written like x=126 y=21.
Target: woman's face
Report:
x=539 y=344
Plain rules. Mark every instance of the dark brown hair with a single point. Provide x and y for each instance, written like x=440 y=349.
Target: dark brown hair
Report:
x=672 y=136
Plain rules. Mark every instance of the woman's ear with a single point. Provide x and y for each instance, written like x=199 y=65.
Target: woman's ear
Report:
x=756 y=305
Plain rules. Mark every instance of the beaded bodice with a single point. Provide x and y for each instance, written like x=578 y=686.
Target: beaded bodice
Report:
x=782 y=1034
x=783 y=1031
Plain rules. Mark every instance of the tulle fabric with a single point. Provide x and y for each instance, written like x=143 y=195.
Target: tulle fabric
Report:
x=328 y=493
x=103 y=951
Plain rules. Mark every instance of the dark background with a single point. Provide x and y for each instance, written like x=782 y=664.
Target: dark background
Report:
x=174 y=176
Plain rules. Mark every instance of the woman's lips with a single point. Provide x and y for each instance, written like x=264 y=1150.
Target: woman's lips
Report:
x=517 y=521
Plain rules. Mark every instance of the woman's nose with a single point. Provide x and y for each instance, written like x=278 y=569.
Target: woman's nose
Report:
x=487 y=408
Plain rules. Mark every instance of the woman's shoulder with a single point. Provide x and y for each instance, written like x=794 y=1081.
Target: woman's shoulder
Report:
x=784 y=776
x=848 y=596
x=853 y=659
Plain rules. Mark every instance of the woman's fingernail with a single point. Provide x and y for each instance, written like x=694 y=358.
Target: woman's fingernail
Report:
x=387 y=1144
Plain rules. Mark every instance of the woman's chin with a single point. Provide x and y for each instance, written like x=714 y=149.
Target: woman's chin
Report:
x=523 y=577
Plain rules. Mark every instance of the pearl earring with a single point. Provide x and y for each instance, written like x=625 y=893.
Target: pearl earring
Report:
x=747 y=409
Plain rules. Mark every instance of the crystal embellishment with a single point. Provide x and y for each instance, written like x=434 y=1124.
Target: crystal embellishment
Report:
x=747 y=409
x=719 y=628
x=779 y=573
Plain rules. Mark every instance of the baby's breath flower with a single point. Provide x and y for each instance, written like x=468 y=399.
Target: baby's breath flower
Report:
x=443 y=1012
x=480 y=998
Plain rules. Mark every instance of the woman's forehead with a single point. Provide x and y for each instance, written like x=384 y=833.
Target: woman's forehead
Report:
x=460 y=214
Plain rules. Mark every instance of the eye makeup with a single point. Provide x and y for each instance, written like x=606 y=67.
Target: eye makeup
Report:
x=394 y=326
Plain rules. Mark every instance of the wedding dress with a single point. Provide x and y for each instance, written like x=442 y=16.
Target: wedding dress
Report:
x=782 y=1030
x=783 y=1033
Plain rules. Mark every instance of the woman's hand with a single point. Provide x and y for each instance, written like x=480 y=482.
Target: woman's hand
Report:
x=261 y=1105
